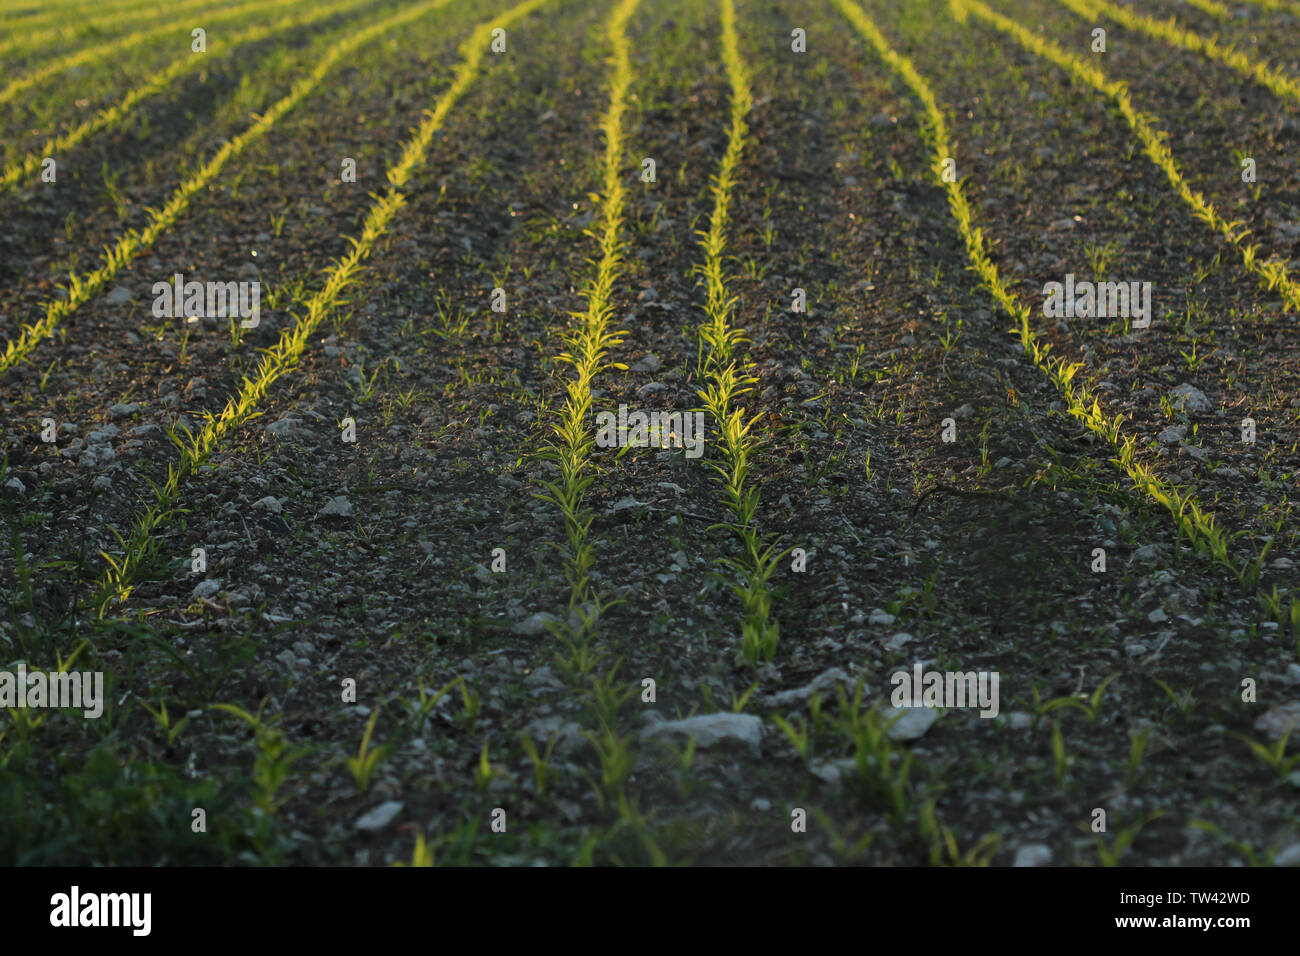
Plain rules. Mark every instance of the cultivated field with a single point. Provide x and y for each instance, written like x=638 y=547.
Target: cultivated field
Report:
x=566 y=431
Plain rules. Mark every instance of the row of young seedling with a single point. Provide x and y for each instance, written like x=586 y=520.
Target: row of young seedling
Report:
x=729 y=378
x=128 y=247
x=1169 y=31
x=274 y=756
x=139 y=550
x=587 y=346
x=54 y=30
x=42 y=163
x=1271 y=274
x=1081 y=401
x=96 y=52
x=884 y=771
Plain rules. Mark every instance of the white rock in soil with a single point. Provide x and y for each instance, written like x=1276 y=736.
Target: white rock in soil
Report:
x=16 y=486
x=207 y=588
x=1172 y=435
x=1188 y=398
x=1288 y=856
x=825 y=682
x=544 y=677
x=119 y=296
x=882 y=617
x=896 y=642
x=1278 y=720
x=269 y=503
x=913 y=724
x=380 y=817
x=535 y=626
x=589 y=611
x=338 y=507
x=103 y=435
x=624 y=503
x=97 y=456
x=287 y=427
x=103 y=483
x=831 y=772
x=569 y=739
x=713 y=729
x=1033 y=854
x=1016 y=720
x=1146 y=554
